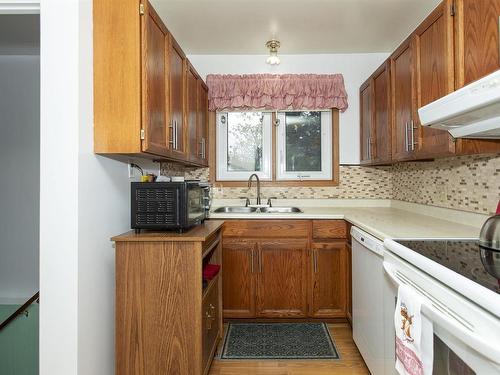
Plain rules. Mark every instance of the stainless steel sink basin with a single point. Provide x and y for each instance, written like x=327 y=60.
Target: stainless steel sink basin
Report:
x=281 y=210
x=235 y=210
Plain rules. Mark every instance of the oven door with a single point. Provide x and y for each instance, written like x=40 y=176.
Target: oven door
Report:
x=466 y=339
x=195 y=205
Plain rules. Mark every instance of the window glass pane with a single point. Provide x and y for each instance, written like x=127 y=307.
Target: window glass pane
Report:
x=244 y=141
x=303 y=141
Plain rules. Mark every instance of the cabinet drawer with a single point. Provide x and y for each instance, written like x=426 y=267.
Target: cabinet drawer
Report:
x=267 y=228
x=210 y=323
x=329 y=229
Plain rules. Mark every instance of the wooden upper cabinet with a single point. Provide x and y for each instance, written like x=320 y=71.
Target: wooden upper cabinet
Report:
x=403 y=144
x=382 y=146
x=434 y=76
x=203 y=123
x=282 y=278
x=154 y=85
x=192 y=113
x=177 y=126
x=329 y=279
x=365 y=97
x=238 y=283
x=140 y=88
x=476 y=39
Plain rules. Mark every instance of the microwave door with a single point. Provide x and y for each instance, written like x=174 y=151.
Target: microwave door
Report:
x=195 y=204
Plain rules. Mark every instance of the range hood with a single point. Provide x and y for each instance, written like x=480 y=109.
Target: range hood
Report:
x=471 y=112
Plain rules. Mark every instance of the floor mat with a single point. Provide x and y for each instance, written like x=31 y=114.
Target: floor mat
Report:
x=278 y=341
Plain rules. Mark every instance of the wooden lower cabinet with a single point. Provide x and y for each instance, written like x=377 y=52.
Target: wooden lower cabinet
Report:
x=239 y=288
x=284 y=269
x=282 y=278
x=329 y=278
x=167 y=322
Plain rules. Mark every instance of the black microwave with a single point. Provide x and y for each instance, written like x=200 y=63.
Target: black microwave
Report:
x=169 y=205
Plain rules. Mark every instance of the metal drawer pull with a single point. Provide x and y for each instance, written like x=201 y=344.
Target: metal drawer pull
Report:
x=407 y=146
x=413 y=143
x=171 y=127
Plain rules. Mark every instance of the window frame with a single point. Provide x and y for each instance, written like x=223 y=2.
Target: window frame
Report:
x=213 y=145
x=326 y=152
x=223 y=174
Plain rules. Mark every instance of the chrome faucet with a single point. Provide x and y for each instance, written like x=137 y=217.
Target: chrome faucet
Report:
x=258 y=186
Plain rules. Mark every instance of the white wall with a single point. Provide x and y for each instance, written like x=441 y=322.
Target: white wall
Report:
x=356 y=68
x=92 y=195
x=20 y=176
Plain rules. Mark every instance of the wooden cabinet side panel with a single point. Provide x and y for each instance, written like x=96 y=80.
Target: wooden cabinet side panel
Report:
x=158 y=308
x=349 y=281
x=117 y=76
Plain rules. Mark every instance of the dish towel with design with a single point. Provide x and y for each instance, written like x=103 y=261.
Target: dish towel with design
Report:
x=414 y=335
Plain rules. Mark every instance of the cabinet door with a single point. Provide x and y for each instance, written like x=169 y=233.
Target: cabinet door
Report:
x=238 y=283
x=192 y=113
x=365 y=97
x=176 y=98
x=154 y=88
x=477 y=39
x=282 y=278
x=382 y=117
x=328 y=280
x=434 y=76
x=402 y=101
x=203 y=122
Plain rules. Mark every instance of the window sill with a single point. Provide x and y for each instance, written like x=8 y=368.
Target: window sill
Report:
x=308 y=183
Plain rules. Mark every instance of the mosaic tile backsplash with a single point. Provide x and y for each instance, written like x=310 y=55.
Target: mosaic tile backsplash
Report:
x=468 y=183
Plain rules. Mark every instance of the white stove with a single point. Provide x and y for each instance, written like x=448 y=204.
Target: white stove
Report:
x=461 y=300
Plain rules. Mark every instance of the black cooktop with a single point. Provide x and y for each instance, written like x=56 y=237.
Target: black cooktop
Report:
x=462 y=256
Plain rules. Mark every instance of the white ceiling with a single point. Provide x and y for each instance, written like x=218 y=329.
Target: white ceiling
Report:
x=302 y=26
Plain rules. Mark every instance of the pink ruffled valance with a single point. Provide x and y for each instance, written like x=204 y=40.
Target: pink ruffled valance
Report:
x=276 y=92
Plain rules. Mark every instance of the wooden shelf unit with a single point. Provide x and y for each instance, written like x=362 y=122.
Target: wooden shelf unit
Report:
x=166 y=323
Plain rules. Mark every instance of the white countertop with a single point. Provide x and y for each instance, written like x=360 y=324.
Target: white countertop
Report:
x=386 y=220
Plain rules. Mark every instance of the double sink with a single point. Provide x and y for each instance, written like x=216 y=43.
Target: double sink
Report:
x=250 y=210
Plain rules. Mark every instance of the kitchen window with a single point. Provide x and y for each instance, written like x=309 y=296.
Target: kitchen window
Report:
x=304 y=145
x=243 y=145
x=278 y=146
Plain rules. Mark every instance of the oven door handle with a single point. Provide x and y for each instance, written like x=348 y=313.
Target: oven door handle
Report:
x=467 y=336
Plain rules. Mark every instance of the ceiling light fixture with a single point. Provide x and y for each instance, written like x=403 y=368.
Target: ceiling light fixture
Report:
x=273 y=46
